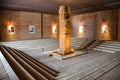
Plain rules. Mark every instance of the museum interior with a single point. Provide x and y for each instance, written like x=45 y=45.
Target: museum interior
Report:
x=60 y=40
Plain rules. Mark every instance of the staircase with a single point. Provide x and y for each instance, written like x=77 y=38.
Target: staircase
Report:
x=109 y=46
x=83 y=45
x=94 y=44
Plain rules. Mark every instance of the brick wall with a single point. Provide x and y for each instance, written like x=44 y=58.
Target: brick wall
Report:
x=85 y=20
x=93 y=23
x=105 y=18
x=48 y=22
x=22 y=20
x=119 y=24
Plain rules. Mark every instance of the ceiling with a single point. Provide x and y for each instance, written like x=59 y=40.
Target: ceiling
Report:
x=52 y=6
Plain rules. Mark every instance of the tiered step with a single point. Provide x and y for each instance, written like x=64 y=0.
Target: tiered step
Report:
x=33 y=44
x=84 y=44
x=109 y=46
x=24 y=64
x=43 y=44
x=76 y=41
x=95 y=43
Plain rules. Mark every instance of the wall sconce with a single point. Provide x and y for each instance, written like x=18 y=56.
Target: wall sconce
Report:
x=81 y=28
x=104 y=28
x=11 y=29
x=54 y=29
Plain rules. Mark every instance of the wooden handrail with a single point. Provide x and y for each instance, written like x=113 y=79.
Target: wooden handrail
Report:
x=37 y=68
x=16 y=68
x=52 y=71
x=29 y=69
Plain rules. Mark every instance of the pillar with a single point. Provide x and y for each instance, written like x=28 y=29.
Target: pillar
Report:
x=64 y=28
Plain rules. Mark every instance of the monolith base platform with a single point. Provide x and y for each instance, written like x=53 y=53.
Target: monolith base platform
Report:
x=60 y=55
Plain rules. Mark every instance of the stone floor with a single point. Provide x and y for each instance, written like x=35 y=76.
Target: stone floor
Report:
x=6 y=72
x=3 y=73
x=95 y=65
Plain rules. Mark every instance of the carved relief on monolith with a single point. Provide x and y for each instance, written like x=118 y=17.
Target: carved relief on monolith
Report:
x=65 y=26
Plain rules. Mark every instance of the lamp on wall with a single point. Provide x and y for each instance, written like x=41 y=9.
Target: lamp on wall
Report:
x=81 y=27
x=11 y=27
x=54 y=29
x=104 y=28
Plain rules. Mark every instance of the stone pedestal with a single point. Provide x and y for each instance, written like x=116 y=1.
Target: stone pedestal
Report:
x=65 y=26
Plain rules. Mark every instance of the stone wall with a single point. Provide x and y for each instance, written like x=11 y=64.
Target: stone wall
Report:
x=50 y=21
x=94 y=24
x=119 y=24
x=22 y=20
x=107 y=18
x=85 y=20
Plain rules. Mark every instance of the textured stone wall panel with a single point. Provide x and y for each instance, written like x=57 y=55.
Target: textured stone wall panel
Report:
x=119 y=24
x=21 y=21
x=49 y=21
x=93 y=22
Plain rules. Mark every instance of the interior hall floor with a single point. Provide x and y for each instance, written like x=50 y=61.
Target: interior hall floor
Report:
x=95 y=65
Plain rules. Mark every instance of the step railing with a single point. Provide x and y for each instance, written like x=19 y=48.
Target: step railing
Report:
x=15 y=66
x=37 y=69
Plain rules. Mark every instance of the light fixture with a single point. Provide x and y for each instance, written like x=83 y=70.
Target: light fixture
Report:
x=54 y=28
x=11 y=29
x=104 y=28
x=80 y=29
